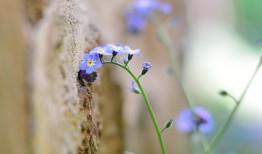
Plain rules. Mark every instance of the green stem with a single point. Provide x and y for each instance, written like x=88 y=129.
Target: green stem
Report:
x=163 y=129
x=233 y=98
x=139 y=77
x=204 y=141
x=147 y=105
x=166 y=40
x=196 y=144
x=127 y=63
x=222 y=130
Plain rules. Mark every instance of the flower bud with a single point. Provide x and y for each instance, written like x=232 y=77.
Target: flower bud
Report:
x=134 y=89
x=223 y=93
x=114 y=53
x=146 y=66
x=130 y=56
x=100 y=56
x=169 y=123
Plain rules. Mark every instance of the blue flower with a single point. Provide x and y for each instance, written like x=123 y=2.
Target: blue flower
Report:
x=165 y=8
x=199 y=120
x=131 y=52
x=115 y=49
x=90 y=63
x=103 y=50
x=140 y=10
x=135 y=23
x=145 y=7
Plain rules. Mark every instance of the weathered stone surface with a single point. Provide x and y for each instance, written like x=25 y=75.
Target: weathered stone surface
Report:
x=43 y=42
x=64 y=121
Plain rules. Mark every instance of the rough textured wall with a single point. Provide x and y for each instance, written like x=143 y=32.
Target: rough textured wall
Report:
x=45 y=110
x=56 y=52
x=62 y=36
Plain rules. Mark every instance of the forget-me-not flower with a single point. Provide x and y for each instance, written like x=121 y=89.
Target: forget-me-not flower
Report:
x=140 y=10
x=128 y=50
x=145 y=7
x=102 y=50
x=131 y=52
x=90 y=63
x=135 y=23
x=200 y=120
x=115 y=49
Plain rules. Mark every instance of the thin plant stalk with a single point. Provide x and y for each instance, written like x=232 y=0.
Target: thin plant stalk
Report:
x=166 y=40
x=149 y=108
x=224 y=127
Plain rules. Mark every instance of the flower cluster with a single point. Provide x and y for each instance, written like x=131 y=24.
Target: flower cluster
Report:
x=94 y=60
x=200 y=120
x=139 y=12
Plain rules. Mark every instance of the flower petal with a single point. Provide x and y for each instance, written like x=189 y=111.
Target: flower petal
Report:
x=184 y=123
x=82 y=65
x=94 y=56
x=94 y=50
x=87 y=56
x=89 y=70
x=165 y=8
x=97 y=64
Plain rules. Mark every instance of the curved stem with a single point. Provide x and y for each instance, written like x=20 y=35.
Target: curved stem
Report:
x=139 y=77
x=149 y=108
x=233 y=98
x=230 y=117
x=166 y=40
x=127 y=63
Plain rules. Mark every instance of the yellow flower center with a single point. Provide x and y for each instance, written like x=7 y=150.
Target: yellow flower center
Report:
x=100 y=51
x=90 y=62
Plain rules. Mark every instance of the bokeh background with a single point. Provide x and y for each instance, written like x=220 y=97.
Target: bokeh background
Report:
x=219 y=43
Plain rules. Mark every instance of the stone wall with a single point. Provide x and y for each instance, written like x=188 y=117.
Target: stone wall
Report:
x=44 y=109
